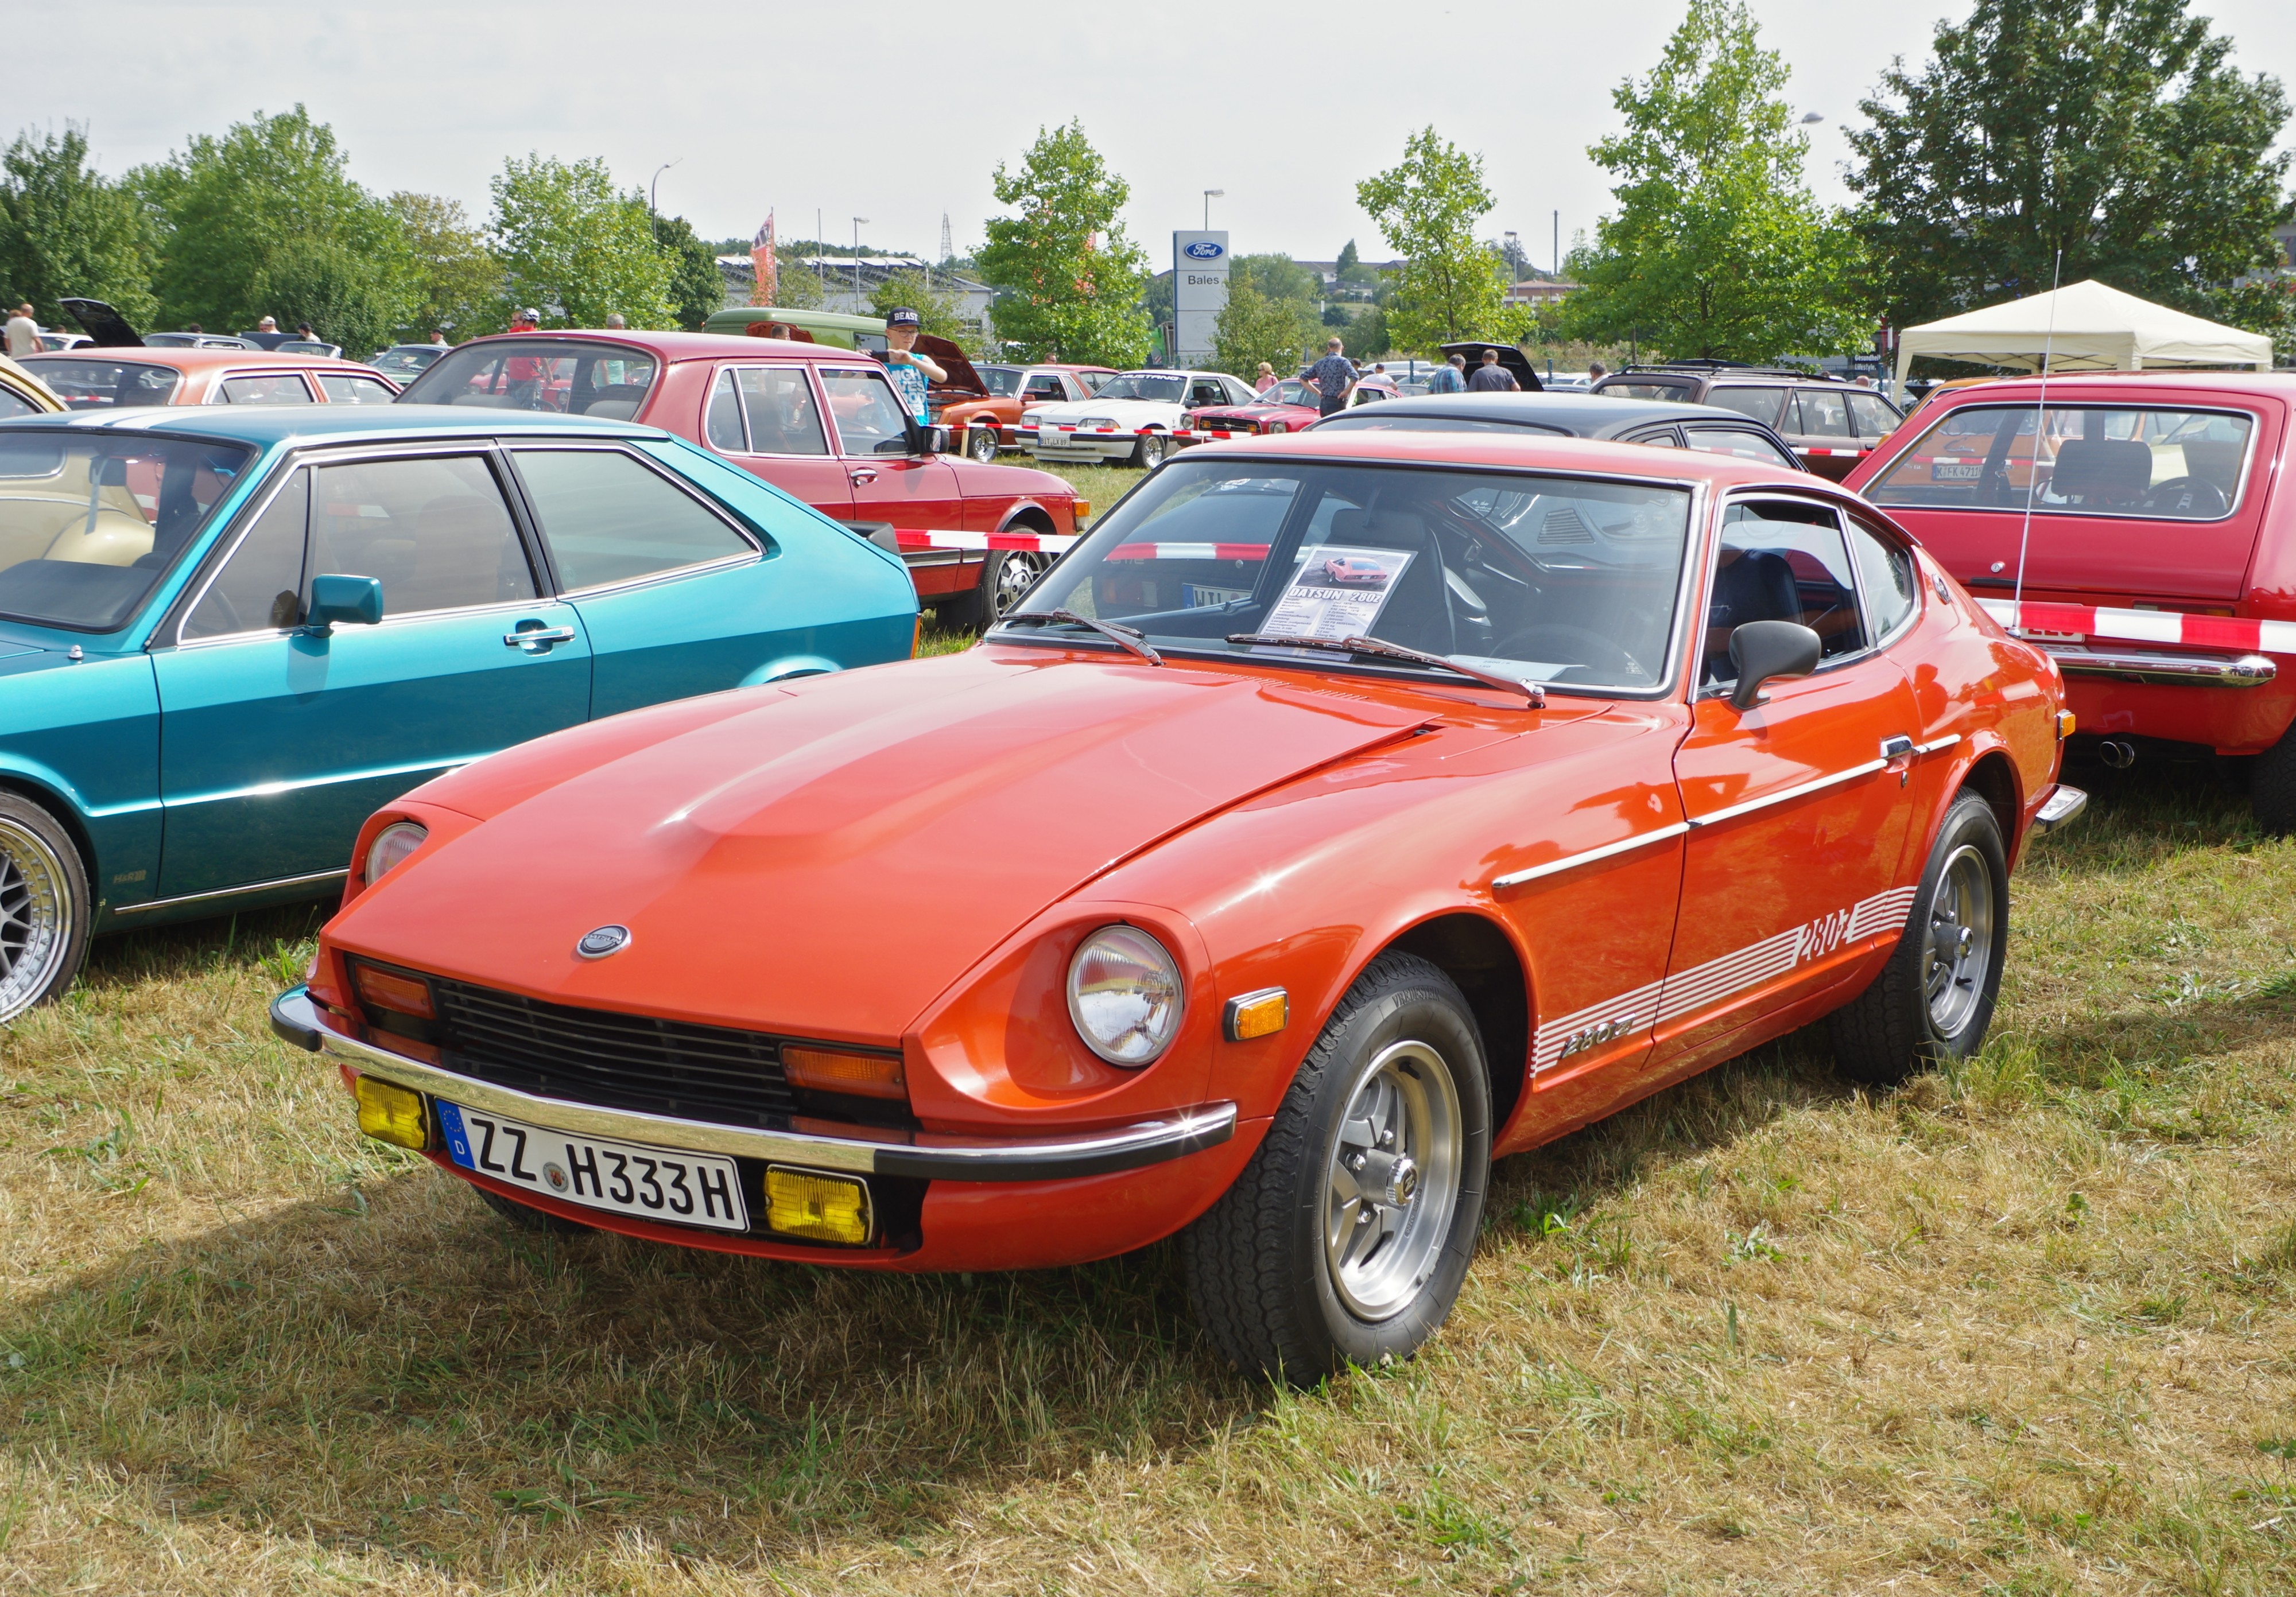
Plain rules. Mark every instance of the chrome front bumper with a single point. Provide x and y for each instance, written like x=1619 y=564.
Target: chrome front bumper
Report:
x=300 y=1021
x=2151 y=665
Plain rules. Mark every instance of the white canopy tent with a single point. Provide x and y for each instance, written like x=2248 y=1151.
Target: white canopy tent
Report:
x=2084 y=327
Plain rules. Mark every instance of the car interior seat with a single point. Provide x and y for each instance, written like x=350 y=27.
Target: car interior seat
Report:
x=2093 y=470
x=1757 y=585
x=1417 y=614
x=617 y=402
x=464 y=552
x=2215 y=461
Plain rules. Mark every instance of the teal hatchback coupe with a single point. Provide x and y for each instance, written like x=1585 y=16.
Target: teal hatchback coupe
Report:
x=226 y=636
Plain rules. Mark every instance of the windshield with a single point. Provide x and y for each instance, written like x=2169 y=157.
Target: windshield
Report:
x=1165 y=388
x=2131 y=461
x=578 y=379
x=97 y=384
x=403 y=363
x=1564 y=580
x=1001 y=381
x=89 y=523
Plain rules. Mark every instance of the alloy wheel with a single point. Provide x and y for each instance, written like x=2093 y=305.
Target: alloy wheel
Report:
x=1018 y=569
x=1960 y=953
x=36 y=915
x=982 y=445
x=1392 y=1180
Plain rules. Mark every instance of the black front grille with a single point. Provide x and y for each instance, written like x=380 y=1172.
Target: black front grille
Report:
x=1227 y=424
x=612 y=1060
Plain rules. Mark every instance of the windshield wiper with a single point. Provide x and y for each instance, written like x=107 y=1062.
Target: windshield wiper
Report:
x=1537 y=694
x=1130 y=637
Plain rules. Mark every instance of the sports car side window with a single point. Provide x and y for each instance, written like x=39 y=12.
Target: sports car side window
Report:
x=783 y=419
x=1781 y=561
x=433 y=528
x=608 y=519
x=1739 y=443
x=869 y=420
x=1885 y=576
x=259 y=586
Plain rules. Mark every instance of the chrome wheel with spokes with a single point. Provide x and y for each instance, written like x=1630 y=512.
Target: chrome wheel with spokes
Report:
x=980 y=444
x=1391 y=1180
x=1960 y=940
x=44 y=920
x=1011 y=579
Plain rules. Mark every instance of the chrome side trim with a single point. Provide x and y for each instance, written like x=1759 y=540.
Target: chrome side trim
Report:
x=2146 y=665
x=1555 y=868
x=313 y=880
x=1788 y=796
x=2063 y=804
x=1936 y=745
x=299 y=1020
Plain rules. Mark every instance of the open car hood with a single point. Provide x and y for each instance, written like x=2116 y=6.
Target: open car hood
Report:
x=104 y=324
x=1511 y=358
x=963 y=382
x=827 y=857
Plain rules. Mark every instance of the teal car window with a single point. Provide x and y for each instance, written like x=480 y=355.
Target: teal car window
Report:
x=88 y=523
x=608 y=519
x=783 y=417
x=433 y=528
x=260 y=585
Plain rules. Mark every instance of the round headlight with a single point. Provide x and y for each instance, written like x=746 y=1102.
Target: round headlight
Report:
x=391 y=845
x=1124 y=996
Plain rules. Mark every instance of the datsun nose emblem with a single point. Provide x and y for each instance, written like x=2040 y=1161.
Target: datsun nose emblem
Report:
x=602 y=941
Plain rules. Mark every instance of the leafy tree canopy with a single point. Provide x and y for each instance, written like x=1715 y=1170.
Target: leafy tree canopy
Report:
x=66 y=232
x=575 y=248
x=1264 y=324
x=1072 y=281
x=938 y=311
x=696 y=287
x=458 y=282
x=1449 y=287
x=2116 y=131
x=1718 y=250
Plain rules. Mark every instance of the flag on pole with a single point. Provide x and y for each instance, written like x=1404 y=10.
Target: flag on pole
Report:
x=763 y=257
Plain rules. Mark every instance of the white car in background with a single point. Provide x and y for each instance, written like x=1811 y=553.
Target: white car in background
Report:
x=1132 y=418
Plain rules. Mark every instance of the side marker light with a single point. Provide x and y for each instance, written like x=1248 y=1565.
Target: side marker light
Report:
x=390 y=1113
x=822 y=1208
x=2065 y=724
x=1257 y=1014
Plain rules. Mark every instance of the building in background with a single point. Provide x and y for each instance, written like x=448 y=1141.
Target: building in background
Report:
x=849 y=283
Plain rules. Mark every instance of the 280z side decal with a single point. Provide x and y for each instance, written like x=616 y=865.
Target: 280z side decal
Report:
x=1710 y=985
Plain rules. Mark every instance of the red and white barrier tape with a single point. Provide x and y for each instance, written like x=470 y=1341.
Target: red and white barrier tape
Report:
x=1189 y=552
x=2144 y=625
x=1852 y=454
x=1035 y=543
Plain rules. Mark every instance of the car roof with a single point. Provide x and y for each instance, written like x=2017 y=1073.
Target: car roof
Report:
x=1527 y=449
x=2279 y=385
x=265 y=425
x=183 y=359
x=1583 y=414
x=672 y=347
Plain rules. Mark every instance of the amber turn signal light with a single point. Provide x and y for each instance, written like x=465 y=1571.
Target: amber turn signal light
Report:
x=821 y=1208
x=390 y=1113
x=1257 y=1014
x=1082 y=512
x=2065 y=724
x=835 y=1070
x=386 y=989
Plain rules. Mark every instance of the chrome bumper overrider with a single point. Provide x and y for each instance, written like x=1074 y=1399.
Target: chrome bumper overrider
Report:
x=2148 y=665
x=2063 y=804
x=300 y=1021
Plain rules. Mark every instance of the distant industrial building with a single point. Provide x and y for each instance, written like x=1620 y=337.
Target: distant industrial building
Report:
x=849 y=282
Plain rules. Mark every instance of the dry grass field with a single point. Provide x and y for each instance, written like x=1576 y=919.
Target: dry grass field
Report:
x=2028 y=1327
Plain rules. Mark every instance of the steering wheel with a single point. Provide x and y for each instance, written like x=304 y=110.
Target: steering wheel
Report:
x=2202 y=499
x=1580 y=645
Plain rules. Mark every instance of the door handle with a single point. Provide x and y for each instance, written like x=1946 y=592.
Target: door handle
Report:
x=1898 y=755
x=861 y=475
x=535 y=638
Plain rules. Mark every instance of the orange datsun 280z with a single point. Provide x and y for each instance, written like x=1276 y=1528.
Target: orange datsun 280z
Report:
x=1334 y=892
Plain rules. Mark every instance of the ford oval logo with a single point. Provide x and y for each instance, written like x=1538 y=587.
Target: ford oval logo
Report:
x=604 y=941
x=1204 y=249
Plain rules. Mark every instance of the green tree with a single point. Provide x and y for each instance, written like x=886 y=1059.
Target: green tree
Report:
x=1366 y=337
x=1072 y=281
x=266 y=221
x=1349 y=259
x=1260 y=323
x=2116 y=131
x=577 y=249
x=457 y=280
x=938 y=311
x=67 y=232
x=696 y=286
x=1719 y=250
x=1428 y=205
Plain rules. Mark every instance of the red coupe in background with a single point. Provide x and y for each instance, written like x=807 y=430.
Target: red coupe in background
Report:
x=1287 y=406
x=1642 y=758
x=819 y=423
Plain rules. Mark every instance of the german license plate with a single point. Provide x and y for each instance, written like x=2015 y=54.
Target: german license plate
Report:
x=1958 y=472
x=653 y=1184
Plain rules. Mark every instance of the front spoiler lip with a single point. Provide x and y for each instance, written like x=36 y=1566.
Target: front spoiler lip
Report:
x=297 y=1020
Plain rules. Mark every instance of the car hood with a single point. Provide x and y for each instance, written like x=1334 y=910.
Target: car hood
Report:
x=827 y=857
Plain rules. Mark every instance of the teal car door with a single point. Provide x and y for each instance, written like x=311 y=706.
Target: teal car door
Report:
x=277 y=740
x=676 y=596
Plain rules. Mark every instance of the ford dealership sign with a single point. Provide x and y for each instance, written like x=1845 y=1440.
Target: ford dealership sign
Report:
x=1205 y=249
x=1198 y=291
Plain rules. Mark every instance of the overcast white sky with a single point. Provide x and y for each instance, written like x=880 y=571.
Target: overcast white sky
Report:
x=899 y=112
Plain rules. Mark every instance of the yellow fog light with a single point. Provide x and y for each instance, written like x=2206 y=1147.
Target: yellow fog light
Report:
x=1257 y=1014
x=823 y=1208
x=390 y=1113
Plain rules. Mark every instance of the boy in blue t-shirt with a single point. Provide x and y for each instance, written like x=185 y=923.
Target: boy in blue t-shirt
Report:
x=910 y=372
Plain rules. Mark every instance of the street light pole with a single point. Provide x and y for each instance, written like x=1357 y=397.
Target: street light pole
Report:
x=1210 y=195
x=857 y=222
x=654 y=187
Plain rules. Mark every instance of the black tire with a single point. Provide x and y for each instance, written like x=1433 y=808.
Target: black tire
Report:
x=1150 y=450
x=531 y=1219
x=1934 y=1000
x=1267 y=1266
x=2272 y=786
x=45 y=909
x=980 y=444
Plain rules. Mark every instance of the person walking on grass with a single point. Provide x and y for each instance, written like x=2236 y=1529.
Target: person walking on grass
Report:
x=1333 y=379
x=1450 y=377
x=1492 y=378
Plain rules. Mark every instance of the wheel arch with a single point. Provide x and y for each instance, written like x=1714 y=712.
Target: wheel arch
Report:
x=61 y=809
x=1992 y=775
x=1477 y=954
x=1031 y=515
